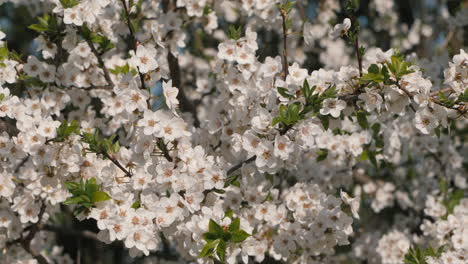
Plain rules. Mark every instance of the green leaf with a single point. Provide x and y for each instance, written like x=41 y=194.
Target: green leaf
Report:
x=443 y=186
x=73 y=200
x=218 y=191
x=221 y=251
x=235 y=225
x=214 y=228
x=72 y=185
x=239 y=236
x=136 y=204
x=374 y=69
x=463 y=97
x=454 y=200
x=209 y=248
x=230 y=180
x=362 y=119
x=210 y=236
x=379 y=141
x=3 y=52
x=47 y=24
x=329 y=93
x=91 y=186
x=364 y=155
x=375 y=129
x=38 y=28
x=287 y=6
x=229 y=213
x=372 y=158
x=386 y=75
x=100 y=196
x=269 y=197
x=417 y=256
x=305 y=89
x=292 y=114
x=362 y=49
x=283 y=92
x=325 y=121
x=322 y=154
x=234 y=32
x=372 y=77
x=288 y=23
x=65 y=130
x=398 y=66
x=85 y=198
x=207 y=10
x=69 y=3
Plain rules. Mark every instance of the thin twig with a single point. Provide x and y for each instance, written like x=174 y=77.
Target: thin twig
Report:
x=410 y=96
x=358 y=54
x=284 y=17
x=21 y=164
x=134 y=42
x=198 y=101
x=26 y=241
x=163 y=147
x=117 y=163
x=239 y=165
x=100 y=62
x=445 y=90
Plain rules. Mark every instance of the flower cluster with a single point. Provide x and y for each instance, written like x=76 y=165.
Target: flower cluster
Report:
x=200 y=131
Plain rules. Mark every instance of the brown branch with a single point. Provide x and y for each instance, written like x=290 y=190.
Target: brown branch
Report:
x=239 y=165
x=358 y=53
x=163 y=147
x=70 y=232
x=460 y=110
x=21 y=164
x=284 y=17
x=25 y=242
x=134 y=42
x=100 y=62
x=186 y=105
x=445 y=90
x=8 y=127
x=198 y=101
x=117 y=163
x=410 y=96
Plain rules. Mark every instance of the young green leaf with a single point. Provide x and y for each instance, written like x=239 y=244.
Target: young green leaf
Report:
x=374 y=69
x=214 y=228
x=234 y=33
x=69 y=3
x=209 y=248
x=284 y=92
x=100 y=196
x=136 y=204
x=239 y=236
x=221 y=251
x=210 y=236
x=235 y=225
x=362 y=119
x=322 y=154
